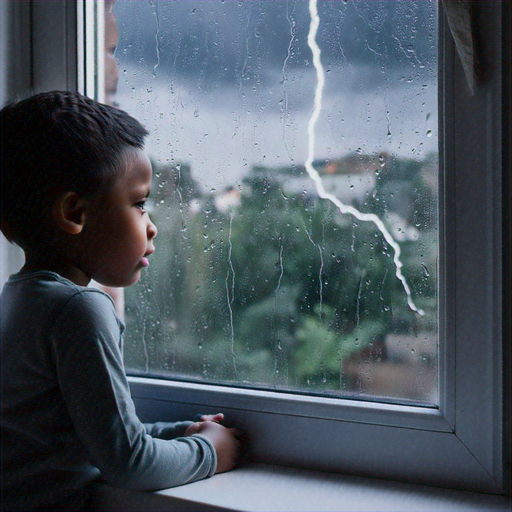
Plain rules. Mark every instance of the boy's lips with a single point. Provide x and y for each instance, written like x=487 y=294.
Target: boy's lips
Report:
x=144 y=260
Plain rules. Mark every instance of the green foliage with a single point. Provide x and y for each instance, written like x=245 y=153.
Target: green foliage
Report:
x=322 y=349
x=280 y=289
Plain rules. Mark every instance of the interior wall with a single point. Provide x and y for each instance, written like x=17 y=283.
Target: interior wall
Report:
x=14 y=81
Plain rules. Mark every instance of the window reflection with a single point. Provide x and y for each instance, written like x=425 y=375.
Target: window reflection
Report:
x=111 y=39
x=256 y=280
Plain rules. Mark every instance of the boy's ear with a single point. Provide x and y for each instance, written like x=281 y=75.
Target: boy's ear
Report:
x=69 y=211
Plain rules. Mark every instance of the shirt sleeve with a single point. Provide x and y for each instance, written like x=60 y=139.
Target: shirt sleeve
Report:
x=166 y=430
x=86 y=345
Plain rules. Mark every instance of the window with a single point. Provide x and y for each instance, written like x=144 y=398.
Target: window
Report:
x=406 y=440
x=459 y=439
x=262 y=279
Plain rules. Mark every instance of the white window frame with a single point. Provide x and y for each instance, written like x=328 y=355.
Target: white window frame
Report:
x=465 y=443
x=91 y=48
x=459 y=445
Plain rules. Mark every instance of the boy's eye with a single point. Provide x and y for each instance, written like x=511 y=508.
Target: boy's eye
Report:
x=141 y=205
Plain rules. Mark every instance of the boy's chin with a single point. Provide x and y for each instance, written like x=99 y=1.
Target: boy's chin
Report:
x=120 y=281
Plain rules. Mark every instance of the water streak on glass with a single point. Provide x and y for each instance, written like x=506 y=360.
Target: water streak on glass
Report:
x=284 y=101
x=157 y=33
x=320 y=280
x=230 y=293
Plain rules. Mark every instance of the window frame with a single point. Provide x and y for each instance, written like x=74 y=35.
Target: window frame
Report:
x=90 y=48
x=464 y=444
x=461 y=444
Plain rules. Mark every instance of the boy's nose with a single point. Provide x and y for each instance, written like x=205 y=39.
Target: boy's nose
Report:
x=152 y=230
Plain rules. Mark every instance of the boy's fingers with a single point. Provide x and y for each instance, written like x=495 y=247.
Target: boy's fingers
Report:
x=243 y=442
x=236 y=433
x=193 y=429
x=217 y=418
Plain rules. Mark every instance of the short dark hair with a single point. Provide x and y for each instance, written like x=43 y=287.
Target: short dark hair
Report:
x=56 y=142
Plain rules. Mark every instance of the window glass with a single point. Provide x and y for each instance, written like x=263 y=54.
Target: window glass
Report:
x=295 y=191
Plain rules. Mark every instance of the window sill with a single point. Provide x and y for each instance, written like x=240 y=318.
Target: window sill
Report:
x=262 y=487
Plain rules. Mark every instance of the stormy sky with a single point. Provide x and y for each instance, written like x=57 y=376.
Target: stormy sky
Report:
x=224 y=85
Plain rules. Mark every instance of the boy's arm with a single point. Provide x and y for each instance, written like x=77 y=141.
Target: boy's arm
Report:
x=165 y=430
x=90 y=371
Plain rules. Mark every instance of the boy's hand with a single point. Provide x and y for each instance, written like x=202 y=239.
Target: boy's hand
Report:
x=217 y=418
x=194 y=428
x=224 y=440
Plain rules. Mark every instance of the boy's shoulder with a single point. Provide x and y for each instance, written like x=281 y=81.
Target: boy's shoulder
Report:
x=44 y=306
x=53 y=292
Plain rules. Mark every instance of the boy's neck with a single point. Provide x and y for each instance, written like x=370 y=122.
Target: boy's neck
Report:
x=64 y=269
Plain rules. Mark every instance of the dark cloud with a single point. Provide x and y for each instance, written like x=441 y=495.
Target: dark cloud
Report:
x=215 y=42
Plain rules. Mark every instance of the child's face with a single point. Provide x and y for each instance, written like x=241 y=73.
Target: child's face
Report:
x=118 y=232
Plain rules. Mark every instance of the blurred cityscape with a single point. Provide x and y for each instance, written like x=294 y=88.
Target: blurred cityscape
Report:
x=266 y=285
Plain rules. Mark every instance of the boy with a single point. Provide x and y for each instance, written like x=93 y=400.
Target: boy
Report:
x=74 y=181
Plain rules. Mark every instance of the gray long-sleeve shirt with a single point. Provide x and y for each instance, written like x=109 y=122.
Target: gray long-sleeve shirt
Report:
x=67 y=413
